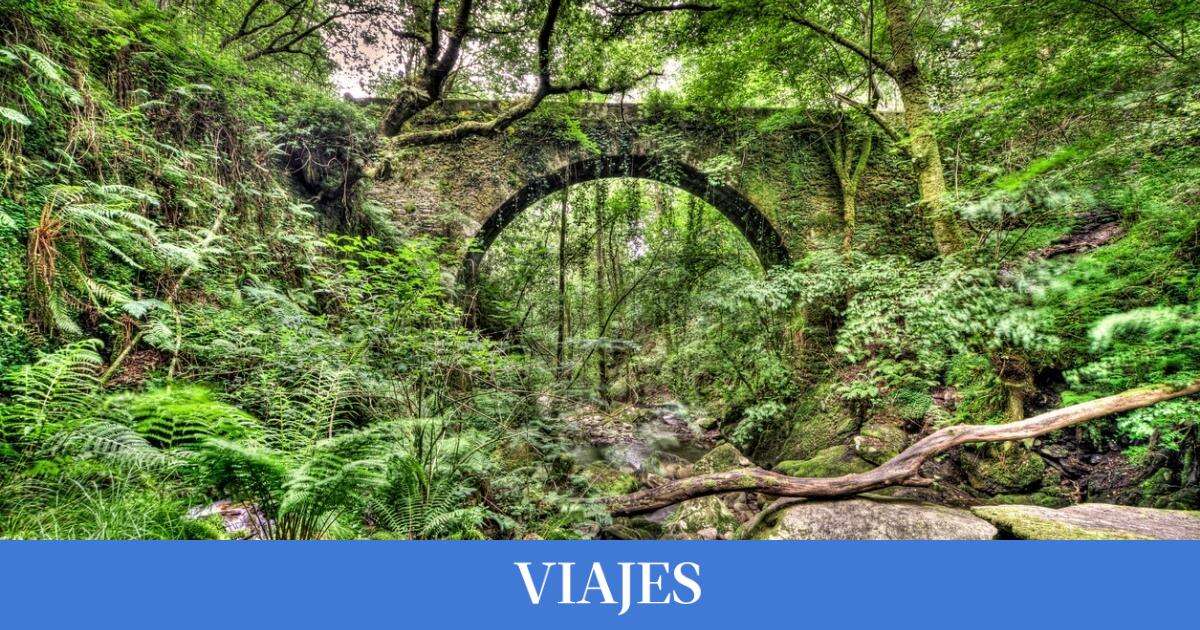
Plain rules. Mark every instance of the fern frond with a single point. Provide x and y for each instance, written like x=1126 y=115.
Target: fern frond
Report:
x=184 y=416
x=60 y=388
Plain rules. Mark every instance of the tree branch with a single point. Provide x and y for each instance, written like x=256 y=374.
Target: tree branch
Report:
x=638 y=9
x=294 y=37
x=869 y=57
x=871 y=113
x=895 y=471
x=1154 y=41
x=524 y=107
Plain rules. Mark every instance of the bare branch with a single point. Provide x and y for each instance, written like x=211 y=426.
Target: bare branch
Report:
x=637 y=9
x=897 y=470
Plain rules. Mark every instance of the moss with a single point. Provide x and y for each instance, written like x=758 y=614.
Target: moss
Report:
x=1018 y=523
x=722 y=458
x=834 y=461
x=609 y=481
x=1048 y=498
x=698 y=514
x=1007 y=468
x=878 y=443
x=820 y=423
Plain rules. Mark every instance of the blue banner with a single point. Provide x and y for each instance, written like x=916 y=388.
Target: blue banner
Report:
x=333 y=585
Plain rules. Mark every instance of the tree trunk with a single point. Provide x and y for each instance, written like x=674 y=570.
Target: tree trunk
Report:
x=849 y=220
x=1016 y=377
x=923 y=146
x=601 y=356
x=412 y=99
x=898 y=470
x=562 y=283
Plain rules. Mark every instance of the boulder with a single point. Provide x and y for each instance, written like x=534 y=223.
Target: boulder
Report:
x=876 y=519
x=607 y=480
x=708 y=518
x=820 y=422
x=635 y=528
x=1091 y=521
x=722 y=458
x=878 y=443
x=834 y=461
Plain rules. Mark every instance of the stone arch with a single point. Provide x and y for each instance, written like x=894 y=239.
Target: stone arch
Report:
x=740 y=211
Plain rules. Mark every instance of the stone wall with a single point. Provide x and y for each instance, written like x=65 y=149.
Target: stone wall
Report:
x=451 y=190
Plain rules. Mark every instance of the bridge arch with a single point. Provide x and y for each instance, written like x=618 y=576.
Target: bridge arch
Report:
x=736 y=208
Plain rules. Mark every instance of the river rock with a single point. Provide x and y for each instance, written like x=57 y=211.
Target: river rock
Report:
x=876 y=519
x=1092 y=521
x=818 y=425
x=708 y=518
x=722 y=458
x=878 y=443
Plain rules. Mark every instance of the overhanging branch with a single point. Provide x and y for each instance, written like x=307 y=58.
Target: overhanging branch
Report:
x=524 y=107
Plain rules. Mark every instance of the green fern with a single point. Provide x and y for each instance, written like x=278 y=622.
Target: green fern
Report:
x=183 y=416
x=57 y=391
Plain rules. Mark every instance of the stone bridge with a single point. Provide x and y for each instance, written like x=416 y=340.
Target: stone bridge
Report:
x=768 y=175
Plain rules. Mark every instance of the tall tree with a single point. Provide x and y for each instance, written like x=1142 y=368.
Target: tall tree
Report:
x=561 y=337
x=905 y=72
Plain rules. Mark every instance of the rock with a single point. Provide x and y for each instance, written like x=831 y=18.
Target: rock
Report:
x=635 y=528
x=876 y=519
x=834 y=461
x=722 y=458
x=1091 y=521
x=878 y=443
x=241 y=520
x=1052 y=497
x=820 y=422
x=695 y=518
x=1004 y=469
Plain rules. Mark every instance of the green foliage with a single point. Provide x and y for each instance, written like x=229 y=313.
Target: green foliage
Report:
x=199 y=302
x=183 y=416
x=1151 y=345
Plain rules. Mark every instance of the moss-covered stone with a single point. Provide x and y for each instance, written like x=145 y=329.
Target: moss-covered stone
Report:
x=834 y=461
x=694 y=518
x=878 y=443
x=708 y=517
x=1091 y=521
x=722 y=458
x=1052 y=497
x=637 y=528
x=1008 y=468
x=821 y=422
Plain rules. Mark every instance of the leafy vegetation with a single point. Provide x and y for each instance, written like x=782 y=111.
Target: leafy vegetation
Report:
x=209 y=313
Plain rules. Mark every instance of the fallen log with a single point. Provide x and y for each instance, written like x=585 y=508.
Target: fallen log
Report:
x=895 y=471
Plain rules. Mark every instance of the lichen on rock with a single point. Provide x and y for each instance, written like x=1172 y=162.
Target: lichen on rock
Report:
x=1091 y=521
x=876 y=519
